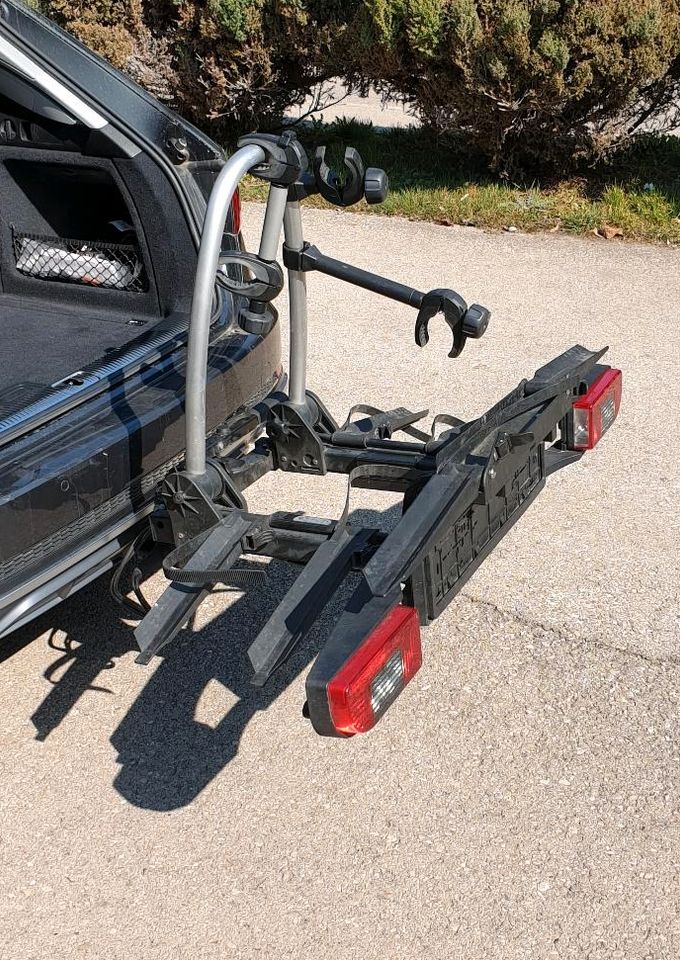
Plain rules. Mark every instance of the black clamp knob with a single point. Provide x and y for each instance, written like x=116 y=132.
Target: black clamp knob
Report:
x=376 y=185
x=475 y=321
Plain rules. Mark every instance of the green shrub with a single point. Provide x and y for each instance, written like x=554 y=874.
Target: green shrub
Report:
x=534 y=84
x=228 y=65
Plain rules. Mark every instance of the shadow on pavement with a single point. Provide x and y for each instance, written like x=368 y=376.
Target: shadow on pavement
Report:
x=166 y=755
x=83 y=653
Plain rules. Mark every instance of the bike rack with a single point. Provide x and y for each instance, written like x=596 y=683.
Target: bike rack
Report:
x=282 y=162
x=463 y=488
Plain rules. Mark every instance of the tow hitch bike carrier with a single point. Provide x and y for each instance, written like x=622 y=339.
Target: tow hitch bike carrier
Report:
x=464 y=484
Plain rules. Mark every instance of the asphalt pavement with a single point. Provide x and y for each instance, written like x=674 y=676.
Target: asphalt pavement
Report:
x=520 y=799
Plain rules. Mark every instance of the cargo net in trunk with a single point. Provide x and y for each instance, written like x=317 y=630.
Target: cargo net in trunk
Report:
x=116 y=266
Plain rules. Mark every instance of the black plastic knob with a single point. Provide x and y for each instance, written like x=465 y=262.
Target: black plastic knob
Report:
x=376 y=185
x=475 y=321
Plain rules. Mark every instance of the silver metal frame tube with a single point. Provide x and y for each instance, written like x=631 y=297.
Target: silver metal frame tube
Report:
x=273 y=221
x=201 y=307
x=297 y=293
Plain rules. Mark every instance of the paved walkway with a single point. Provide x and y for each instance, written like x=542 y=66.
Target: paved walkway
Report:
x=520 y=800
x=382 y=113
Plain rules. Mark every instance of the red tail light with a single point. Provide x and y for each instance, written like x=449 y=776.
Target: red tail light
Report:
x=596 y=410
x=376 y=673
x=236 y=213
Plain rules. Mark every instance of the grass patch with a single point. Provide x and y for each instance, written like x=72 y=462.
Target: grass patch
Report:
x=442 y=181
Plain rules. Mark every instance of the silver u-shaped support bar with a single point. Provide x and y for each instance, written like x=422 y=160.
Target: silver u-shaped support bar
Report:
x=201 y=307
x=279 y=210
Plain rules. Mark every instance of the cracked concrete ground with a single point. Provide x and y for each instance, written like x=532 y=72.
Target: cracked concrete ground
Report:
x=520 y=800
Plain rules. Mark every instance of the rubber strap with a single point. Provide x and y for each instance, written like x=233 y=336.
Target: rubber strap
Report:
x=372 y=411
x=174 y=567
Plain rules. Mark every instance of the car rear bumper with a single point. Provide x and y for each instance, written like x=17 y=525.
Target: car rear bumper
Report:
x=95 y=468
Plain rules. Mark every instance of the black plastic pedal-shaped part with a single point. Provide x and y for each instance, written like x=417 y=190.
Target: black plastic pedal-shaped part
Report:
x=303 y=603
x=221 y=547
x=265 y=284
x=285 y=160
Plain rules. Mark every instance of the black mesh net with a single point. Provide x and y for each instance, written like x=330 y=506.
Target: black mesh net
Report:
x=116 y=266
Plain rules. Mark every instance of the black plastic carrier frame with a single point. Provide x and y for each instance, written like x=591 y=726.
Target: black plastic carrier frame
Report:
x=464 y=484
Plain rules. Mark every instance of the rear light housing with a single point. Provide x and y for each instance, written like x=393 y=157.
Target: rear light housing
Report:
x=596 y=410
x=375 y=673
x=235 y=225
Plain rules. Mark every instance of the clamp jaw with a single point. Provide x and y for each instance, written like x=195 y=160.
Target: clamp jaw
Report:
x=285 y=158
x=267 y=276
x=463 y=321
x=265 y=284
x=356 y=184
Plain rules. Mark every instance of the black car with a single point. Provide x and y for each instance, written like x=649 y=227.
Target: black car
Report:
x=142 y=390
x=104 y=194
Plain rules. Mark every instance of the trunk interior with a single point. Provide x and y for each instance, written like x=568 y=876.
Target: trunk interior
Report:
x=75 y=283
x=94 y=248
x=44 y=343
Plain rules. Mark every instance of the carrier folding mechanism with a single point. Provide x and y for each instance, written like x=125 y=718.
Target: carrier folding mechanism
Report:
x=464 y=484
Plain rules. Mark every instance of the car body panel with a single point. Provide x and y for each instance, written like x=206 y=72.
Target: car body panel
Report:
x=80 y=462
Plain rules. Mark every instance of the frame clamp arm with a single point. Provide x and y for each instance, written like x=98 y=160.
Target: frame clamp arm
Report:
x=266 y=281
x=464 y=321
